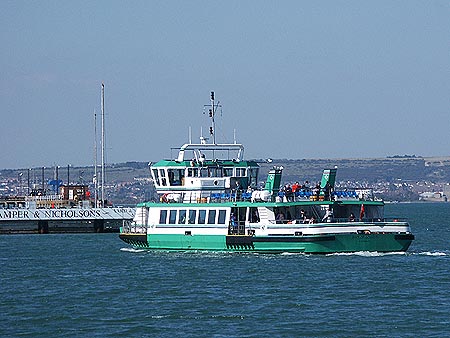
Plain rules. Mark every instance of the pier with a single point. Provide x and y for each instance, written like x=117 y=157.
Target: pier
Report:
x=65 y=220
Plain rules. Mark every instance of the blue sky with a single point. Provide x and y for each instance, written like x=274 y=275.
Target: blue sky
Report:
x=296 y=79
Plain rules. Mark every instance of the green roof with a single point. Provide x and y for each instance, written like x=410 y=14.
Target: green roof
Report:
x=227 y=163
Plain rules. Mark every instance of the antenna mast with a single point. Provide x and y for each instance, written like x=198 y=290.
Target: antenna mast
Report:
x=103 y=146
x=212 y=112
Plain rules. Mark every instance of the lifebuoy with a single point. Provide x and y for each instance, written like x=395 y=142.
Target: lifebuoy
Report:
x=164 y=198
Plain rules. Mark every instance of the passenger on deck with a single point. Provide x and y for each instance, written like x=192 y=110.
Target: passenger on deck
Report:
x=351 y=218
x=288 y=193
x=328 y=215
x=305 y=186
x=327 y=191
x=317 y=191
x=303 y=217
x=234 y=229
x=280 y=218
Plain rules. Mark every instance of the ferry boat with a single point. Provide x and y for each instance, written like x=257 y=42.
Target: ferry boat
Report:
x=207 y=202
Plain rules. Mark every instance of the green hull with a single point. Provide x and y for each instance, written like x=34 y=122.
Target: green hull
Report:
x=321 y=244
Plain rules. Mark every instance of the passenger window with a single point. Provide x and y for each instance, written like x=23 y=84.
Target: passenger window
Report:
x=201 y=216
x=212 y=217
x=182 y=217
x=162 y=217
x=222 y=214
x=192 y=215
x=172 y=216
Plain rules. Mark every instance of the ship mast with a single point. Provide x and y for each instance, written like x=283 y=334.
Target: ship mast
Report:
x=95 y=162
x=212 y=129
x=103 y=146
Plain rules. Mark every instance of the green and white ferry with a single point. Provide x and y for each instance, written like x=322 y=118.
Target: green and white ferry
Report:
x=212 y=203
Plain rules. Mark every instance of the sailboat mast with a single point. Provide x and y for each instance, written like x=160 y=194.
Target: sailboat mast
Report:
x=95 y=161
x=103 y=146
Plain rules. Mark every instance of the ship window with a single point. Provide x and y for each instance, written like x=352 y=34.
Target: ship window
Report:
x=253 y=177
x=175 y=176
x=204 y=172
x=212 y=217
x=222 y=214
x=163 y=177
x=155 y=176
x=192 y=172
x=172 y=216
x=201 y=216
x=216 y=172
x=192 y=215
x=182 y=217
x=228 y=172
x=240 y=172
x=254 y=215
x=162 y=217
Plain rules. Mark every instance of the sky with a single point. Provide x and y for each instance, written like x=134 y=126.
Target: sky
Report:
x=296 y=79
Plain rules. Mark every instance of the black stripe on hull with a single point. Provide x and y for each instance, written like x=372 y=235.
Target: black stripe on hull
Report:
x=137 y=240
x=247 y=242
x=299 y=239
x=409 y=237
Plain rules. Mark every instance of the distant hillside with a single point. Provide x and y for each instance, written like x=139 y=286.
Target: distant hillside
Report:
x=371 y=170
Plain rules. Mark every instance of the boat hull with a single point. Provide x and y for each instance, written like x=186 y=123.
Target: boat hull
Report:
x=311 y=244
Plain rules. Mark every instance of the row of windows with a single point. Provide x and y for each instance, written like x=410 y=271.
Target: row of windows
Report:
x=176 y=176
x=192 y=216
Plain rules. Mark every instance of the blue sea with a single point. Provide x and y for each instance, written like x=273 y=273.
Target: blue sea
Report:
x=94 y=285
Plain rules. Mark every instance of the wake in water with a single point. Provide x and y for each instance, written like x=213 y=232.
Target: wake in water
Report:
x=132 y=250
x=367 y=254
x=381 y=254
x=435 y=254
x=230 y=253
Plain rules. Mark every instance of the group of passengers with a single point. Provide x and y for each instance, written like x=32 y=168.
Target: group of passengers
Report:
x=302 y=219
x=290 y=191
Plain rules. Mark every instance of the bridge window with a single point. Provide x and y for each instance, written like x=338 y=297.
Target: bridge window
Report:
x=192 y=172
x=162 y=175
x=204 y=172
x=228 y=172
x=215 y=172
x=240 y=172
x=175 y=176
x=155 y=176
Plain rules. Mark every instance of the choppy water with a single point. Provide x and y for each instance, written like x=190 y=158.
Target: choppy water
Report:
x=94 y=285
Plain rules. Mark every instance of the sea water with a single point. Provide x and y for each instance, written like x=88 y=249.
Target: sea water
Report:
x=94 y=285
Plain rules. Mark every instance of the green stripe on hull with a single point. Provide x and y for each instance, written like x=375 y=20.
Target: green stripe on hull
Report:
x=274 y=244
